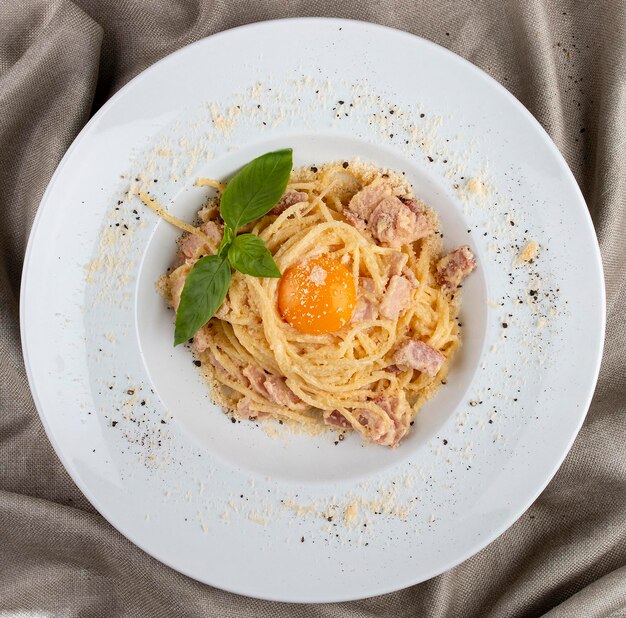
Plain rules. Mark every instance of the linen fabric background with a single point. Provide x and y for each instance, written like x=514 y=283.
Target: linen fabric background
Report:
x=565 y=60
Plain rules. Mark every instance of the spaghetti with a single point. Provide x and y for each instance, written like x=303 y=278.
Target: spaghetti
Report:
x=374 y=373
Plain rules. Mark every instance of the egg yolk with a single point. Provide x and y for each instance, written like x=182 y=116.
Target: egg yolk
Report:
x=317 y=295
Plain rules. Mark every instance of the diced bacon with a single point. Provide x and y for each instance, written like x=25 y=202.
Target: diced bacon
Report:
x=194 y=245
x=364 y=310
x=289 y=199
x=177 y=282
x=272 y=388
x=366 y=307
x=374 y=423
x=191 y=245
x=336 y=419
x=409 y=275
x=454 y=267
x=396 y=298
x=201 y=340
x=393 y=369
x=354 y=220
x=391 y=221
x=387 y=403
x=245 y=411
x=257 y=379
x=379 y=431
x=397 y=261
x=367 y=285
x=365 y=201
x=214 y=232
x=395 y=224
x=416 y=206
x=419 y=355
x=280 y=393
x=399 y=412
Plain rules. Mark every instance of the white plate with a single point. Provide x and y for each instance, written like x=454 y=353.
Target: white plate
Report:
x=246 y=508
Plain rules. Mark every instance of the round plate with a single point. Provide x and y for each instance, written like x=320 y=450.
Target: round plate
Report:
x=267 y=511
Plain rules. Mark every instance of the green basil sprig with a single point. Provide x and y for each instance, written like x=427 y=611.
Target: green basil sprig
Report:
x=249 y=255
x=250 y=194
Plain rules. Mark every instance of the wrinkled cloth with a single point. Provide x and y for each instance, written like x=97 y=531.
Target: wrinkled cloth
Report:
x=565 y=60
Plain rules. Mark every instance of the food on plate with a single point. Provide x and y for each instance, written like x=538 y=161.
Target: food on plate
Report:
x=318 y=294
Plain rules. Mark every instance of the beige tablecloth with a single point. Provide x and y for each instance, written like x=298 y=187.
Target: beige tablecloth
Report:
x=565 y=60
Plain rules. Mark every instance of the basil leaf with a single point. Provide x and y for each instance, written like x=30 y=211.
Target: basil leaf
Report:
x=227 y=239
x=256 y=188
x=249 y=255
x=204 y=291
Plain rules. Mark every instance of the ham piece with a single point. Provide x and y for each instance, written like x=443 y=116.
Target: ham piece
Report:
x=396 y=298
x=271 y=387
x=390 y=220
x=454 y=267
x=419 y=355
x=193 y=245
x=289 y=199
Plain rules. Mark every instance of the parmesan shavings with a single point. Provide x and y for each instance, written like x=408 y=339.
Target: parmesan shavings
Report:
x=529 y=252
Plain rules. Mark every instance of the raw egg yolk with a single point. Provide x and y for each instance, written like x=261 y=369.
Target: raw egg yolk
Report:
x=317 y=295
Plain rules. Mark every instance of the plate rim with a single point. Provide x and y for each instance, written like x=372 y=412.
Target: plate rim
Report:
x=467 y=65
